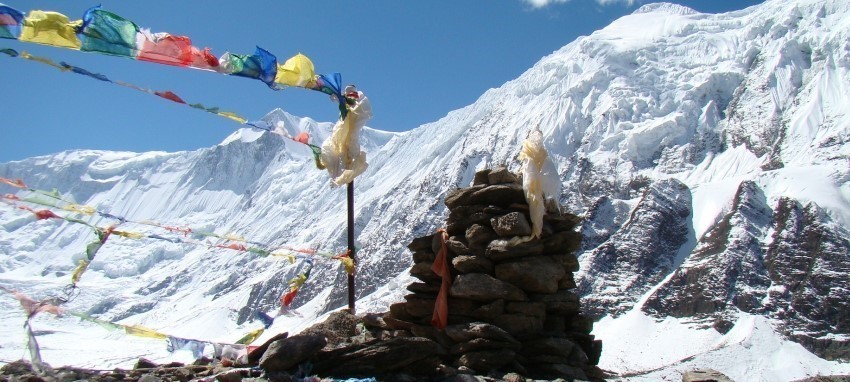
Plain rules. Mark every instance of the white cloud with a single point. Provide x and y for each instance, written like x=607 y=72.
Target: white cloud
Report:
x=625 y=2
x=542 y=3
x=537 y=4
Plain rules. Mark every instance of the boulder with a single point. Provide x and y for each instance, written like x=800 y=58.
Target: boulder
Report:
x=534 y=274
x=486 y=288
x=467 y=332
x=511 y=224
x=472 y=264
x=412 y=354
x=499 y=250
x=287 y=353
x=501 y=175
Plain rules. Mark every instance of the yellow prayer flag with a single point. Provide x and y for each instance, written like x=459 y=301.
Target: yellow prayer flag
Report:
x=250 y=337
x=51 y=28
x=296 y=71
x=234 y=237
x=79 y=271
x=129 y=235
x=141 y=331
x=233 y=116
x=298 y=281
x=84 y=210
x=348 y=263
x=46 y=62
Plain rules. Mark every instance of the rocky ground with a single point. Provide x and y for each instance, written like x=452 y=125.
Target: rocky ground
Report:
x=203 y=370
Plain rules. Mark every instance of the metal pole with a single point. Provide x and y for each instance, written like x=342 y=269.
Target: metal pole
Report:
x=351 y=244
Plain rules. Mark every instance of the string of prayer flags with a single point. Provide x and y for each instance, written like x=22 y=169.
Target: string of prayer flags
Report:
x=303 y=253
x=184 y=231
x=302 y=137
x=166 y=94
x=101 y=31
x=104 y=233
x=174 y=343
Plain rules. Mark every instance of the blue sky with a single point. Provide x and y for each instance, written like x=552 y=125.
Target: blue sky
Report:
x=416 y=60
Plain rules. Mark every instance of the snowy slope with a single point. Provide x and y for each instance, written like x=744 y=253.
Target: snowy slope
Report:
x=655 y=123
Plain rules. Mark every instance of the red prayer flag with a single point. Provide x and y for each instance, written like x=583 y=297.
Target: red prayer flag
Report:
x=167 y=49
x=14 y=183
x=234 y=246
x=287 y=298
x=45 y=214
x=441 y=267
x=302 y=138
x=170 y=96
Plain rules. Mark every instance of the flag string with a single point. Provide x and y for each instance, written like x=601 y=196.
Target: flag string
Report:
x=62 y=66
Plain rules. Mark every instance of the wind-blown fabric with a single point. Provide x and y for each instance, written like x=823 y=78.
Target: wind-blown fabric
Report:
x=176 y=343
x=539 y=181
x=341 y=154
x=32 y=307
x=51 y=28
x=10 y=22
x=296 y=71
x=262 y=65
x=164 y=48
x=106 y=32
x=440 y=318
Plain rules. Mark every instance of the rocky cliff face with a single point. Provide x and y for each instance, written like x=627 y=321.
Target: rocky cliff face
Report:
x=807 y=263
x=642 y=251
x=784 y=262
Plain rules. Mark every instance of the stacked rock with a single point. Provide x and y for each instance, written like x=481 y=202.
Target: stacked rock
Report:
x=510 y=305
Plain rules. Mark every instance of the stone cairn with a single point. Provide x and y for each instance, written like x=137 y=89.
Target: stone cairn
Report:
x=510 y=306
x=511 y=312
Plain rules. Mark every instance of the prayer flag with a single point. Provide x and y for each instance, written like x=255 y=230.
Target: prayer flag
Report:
x=165 y=49
x=261 y=65
x=143 y=332
x=250 y=337
x=108 y=33
x=10 y=22
x=51 y=28
x=296 y=71
x=169 y=95
x=84 y=72
x=440 y=317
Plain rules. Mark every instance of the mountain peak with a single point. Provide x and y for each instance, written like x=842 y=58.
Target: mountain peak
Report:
x=670 y=8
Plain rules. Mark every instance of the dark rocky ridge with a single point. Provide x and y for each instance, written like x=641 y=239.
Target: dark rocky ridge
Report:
x=788 y=262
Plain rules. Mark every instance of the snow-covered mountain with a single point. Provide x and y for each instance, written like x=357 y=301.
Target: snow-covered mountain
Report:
x=709 y=155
